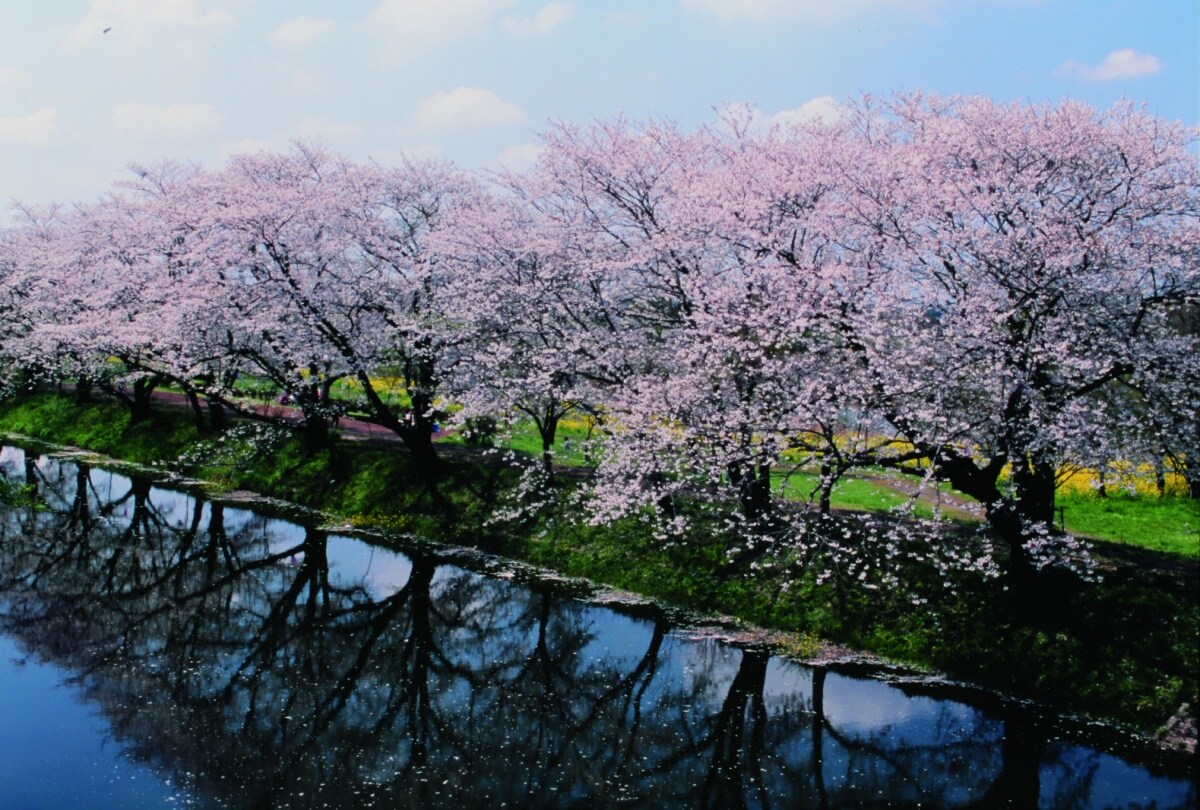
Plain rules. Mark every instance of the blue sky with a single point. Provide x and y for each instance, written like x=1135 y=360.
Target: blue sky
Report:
x=474 y=81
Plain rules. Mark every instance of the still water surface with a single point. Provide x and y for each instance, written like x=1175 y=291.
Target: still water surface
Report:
x=157 y=650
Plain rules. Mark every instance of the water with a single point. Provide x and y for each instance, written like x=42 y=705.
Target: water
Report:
x=160 y=651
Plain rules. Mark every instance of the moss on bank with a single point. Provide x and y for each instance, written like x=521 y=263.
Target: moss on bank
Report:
x=1123 y=650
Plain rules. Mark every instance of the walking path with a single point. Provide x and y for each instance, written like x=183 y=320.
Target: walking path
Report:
x=353 y=429
x=950 y=504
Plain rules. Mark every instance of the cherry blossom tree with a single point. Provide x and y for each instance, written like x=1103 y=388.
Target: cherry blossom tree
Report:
x=706 y=281
x=1030 y=259
x=131 y=303
x=416 y=330
x=104 y=300
x=59 y=288
x=539 y=313
x=279 y=240
x=24 y=248
x=324 y=273
x=183 y=294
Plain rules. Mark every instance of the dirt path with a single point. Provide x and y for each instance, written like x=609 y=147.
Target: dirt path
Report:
x=949 y=503
x=352 y=429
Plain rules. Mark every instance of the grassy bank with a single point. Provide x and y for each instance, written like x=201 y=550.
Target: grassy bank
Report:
x=1124 y=649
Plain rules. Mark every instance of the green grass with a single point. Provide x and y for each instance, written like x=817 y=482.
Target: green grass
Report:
x=1170 y=524
x=1161 y=524
x=852 y=491
x=568 y=442
x=100 y=424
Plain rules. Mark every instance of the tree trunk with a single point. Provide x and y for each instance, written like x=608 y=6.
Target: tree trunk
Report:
x=197 y=411
x=1005 y=519
x=143 y=389
x=737 y=760
x=420 y=433
x=1005 y=516
x=666 y=502
x=416 y=433
x=422 y=645
x=419 y=441
x=547 y=428
x=1034 y=485
x=1019 y=782
x=753 y=486
x=817 y=762
x=827 y=479
x=216 y=414
x=315 y=431
x=81 y=513
x=315 y=411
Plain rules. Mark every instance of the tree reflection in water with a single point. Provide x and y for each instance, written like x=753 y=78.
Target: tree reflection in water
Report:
x=260 y=663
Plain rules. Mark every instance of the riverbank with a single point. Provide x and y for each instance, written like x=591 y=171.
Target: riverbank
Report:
x=1122 y=649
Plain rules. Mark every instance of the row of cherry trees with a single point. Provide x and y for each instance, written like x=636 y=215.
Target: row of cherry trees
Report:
x=971 y=292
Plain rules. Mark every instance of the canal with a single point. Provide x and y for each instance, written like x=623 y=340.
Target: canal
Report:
x=158 y=649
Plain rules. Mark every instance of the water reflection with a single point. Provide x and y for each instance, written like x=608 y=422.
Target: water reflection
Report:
x=253 y=662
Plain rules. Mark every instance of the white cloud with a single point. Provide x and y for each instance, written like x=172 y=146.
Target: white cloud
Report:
x=743 y=117
x=35 y=128
x=820 y=10
x=137 y=16
x=326 y=129
x=171 y=121
x=412 y=27
x=825 y=109
x=519 y=158
x=467 y=106
x=10 y=76
x=301 y=31
x=302 y=79
x=547 y=18
x=1123 y=64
